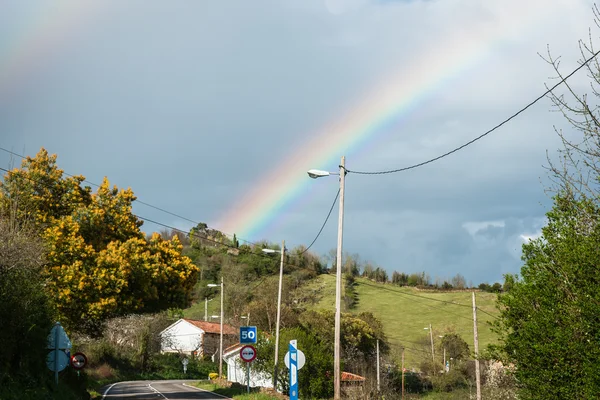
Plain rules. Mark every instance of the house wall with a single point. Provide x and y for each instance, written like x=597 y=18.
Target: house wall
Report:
x=236 y=372
x=182 y=337
x=211 y=342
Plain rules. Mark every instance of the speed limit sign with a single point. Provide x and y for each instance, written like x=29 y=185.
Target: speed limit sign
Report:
x=78 y=360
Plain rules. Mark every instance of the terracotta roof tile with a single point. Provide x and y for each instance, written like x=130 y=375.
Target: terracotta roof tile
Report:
x=213 y=327
x=349 y=377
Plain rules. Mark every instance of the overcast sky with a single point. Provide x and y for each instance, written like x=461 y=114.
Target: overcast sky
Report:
x=191 y=103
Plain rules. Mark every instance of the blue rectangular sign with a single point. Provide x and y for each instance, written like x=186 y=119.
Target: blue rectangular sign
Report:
x=248 y=334
x=293 y=350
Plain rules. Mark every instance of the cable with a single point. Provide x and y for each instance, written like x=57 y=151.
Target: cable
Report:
x=187 y=219
x=173 y=228
x=484 y=134
x=137 y=200
x=324 y=223
x=416 y=295
x=431 y=298
x=420 y=302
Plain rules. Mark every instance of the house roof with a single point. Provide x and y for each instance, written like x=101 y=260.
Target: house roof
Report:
x=349 y=377
x=233 y=349
x=212 y=327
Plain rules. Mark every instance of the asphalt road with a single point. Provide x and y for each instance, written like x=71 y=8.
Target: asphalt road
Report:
x=157 y=390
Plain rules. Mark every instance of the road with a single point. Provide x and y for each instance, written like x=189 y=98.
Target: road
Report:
x=157 y=390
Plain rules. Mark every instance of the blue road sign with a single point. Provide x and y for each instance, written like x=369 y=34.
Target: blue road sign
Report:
x=293 y=349
x=248 y=334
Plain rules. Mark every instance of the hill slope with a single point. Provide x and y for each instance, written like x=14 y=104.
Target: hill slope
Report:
x=405 y=312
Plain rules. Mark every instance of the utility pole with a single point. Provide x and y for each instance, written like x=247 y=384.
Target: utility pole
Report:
x=338 y=288
x=431 y=336
x=221 y=335
x=278 y=316
x=206 y=308
x=476 y=343
x=444 y=358
x=403 y=373
x=378 y=381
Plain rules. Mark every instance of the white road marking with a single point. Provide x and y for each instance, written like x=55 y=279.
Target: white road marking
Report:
x=156 y=391
x=107 y=390
x=203 y=390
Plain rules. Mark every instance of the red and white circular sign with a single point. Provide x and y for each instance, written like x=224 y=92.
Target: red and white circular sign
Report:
x=78 y=360
x=248 y=353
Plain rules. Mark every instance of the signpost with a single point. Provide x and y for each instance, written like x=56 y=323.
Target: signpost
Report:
x=58 y=341
x=292 y=364
x=247 y=334
x=248 y=354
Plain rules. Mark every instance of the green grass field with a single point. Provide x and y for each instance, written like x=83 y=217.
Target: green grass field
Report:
x=405 y=312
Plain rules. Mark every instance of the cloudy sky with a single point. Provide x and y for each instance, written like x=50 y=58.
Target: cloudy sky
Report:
x=215 y=110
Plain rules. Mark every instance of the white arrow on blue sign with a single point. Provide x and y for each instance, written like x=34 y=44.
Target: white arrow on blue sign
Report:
x=293 y=351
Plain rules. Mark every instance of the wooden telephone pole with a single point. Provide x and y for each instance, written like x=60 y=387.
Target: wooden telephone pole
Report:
x=476 y=342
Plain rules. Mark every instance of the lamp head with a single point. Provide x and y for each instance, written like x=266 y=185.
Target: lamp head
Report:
x=317 y=173
x=212 y=285
x=269 y=251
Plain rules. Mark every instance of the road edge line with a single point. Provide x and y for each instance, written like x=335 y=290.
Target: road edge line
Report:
x=108 y=390
x=204 y=390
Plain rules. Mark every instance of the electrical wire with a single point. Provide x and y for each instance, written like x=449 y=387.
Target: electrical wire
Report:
x=266 y=256
x=482 y=135
x=324 y=223
x=420 y=302
x=430 y=298
x=190 y=220
x=416 y=295
x=137 y=200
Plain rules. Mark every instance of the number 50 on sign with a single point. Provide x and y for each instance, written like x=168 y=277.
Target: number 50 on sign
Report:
x=247 y=334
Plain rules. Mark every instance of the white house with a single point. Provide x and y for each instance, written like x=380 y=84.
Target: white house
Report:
x=236 y=369
x=196 y=337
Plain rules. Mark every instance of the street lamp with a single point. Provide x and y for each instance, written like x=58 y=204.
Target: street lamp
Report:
x=282 y=251
x=247 y=318
x=316 y=173
x=221 y=330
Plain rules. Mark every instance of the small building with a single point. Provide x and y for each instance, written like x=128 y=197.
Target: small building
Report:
x=352 y=384
x=236 y=369
x=200 y=338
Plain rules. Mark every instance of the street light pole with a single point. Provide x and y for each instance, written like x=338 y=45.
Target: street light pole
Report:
x=338 y=287
x=276 y=364
x=278 y=316
x=315 y=173
x=221 y=336
x=221 y=330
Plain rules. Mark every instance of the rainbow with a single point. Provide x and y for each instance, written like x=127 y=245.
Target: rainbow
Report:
x=393 y=99
x=49 y=27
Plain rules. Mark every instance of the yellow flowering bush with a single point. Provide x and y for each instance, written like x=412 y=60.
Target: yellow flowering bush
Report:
x=99 y=263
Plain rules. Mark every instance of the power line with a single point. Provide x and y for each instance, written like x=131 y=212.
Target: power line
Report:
x=416 y=295
x=137 y=200
x=324 y=223
x=182 y=217
x=485 y=133
x=176 y=229
x=420 y=302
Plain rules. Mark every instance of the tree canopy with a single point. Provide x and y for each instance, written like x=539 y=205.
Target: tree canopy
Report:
x=549 y=322
x=98 y=263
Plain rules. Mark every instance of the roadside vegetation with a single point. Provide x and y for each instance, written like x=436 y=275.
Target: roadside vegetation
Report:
x=79 y=256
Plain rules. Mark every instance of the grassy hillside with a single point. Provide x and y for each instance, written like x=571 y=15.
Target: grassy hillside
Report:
x=405 y=312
